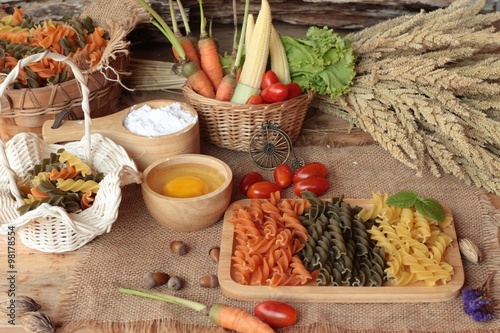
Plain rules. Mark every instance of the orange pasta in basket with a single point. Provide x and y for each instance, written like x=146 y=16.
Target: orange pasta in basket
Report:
x=267 y=237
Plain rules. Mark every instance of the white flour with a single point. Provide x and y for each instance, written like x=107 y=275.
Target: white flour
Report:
x=147 y=121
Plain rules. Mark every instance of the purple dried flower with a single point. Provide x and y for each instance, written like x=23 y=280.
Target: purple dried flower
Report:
x=470 y=294
x=476 y=302
x=482 y=316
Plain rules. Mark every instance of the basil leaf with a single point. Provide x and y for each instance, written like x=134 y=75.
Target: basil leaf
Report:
x=404 y=199
x=431 y=208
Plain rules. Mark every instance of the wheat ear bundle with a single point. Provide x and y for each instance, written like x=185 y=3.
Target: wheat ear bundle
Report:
x=147 y=75
x=427 y=90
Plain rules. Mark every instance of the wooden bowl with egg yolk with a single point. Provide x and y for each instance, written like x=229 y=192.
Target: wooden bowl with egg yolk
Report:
x=187 y=192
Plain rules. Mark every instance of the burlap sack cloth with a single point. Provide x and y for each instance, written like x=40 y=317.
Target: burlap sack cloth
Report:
x=137 y=244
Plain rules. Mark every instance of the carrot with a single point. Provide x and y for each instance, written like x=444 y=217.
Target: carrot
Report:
x=189 y=34
x=226 y=88
x=190 y=70
x=222 y=315
x=209 y=54
x=228 y=84
x=198 y=80
x=237 y=319
x=186 y=43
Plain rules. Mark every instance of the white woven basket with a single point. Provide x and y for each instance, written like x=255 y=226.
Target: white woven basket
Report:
x=50 y=228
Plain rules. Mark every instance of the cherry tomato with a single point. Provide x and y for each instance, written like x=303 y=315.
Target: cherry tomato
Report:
x=269 y=78
x=317 y=185
x=276 y=92
x=249 y=179
x=314 y=169
x=294 y=90
x=262 y=190
x=255 y=99
x=283 y=175
x=276 y=314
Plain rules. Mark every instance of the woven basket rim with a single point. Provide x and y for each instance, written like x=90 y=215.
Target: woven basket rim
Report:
x=236 y=107
x=62 y=87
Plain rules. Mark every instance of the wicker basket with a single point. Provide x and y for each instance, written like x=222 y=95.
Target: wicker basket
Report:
x=50 y=228
x=25 y=110
x=231 y=126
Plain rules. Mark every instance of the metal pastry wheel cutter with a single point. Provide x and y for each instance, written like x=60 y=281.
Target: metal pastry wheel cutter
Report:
x=270 y=146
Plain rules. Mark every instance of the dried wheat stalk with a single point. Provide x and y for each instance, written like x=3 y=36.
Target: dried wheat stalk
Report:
x=149 y=75
x=427 y=89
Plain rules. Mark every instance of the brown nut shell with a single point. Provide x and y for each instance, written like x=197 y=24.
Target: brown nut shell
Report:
x=174 y=283
x=214 y=253
x=37 y=322
x=22 y=305
x=209 y=281
x=153 y=279
x=178 y=247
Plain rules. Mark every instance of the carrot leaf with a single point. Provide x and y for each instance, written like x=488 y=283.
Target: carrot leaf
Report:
x=165 y=298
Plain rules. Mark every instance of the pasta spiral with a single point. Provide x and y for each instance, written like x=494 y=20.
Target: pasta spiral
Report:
x=413 y=244
x=267 y=237
x=62 y=179
x=339 y=247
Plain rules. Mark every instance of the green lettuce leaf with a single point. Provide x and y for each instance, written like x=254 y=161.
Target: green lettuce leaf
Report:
x=322 y=61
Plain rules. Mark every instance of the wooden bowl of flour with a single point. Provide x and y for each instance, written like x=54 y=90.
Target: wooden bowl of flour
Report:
x=143 y=149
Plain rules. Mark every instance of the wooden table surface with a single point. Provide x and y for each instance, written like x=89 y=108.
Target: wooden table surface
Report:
x=42 y=276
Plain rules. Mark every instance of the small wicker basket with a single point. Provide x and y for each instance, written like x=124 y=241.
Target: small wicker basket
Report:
x=25 y=110
x=50 y=228
x=231 y=126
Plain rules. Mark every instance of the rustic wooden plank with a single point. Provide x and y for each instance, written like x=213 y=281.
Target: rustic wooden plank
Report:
x=347 y=14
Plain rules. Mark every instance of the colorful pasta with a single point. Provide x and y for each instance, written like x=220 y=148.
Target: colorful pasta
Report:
x=75 y=37
x=339 y=249
x=64 y=180
x=267 y=237
x=414 y=245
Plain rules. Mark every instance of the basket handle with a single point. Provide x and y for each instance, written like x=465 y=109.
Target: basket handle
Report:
x=83 y=86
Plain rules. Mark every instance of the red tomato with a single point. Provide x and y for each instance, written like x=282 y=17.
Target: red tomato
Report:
x=294 y=90
x=314 y=169
x=317 y=185
x=255 y=99
x=283 y=175
x=276 y=314
x=269 y=78
x=262 y=190
x=276 y=92
x=249 y=179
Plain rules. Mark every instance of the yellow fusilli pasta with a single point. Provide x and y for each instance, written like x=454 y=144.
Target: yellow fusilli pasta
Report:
x=414 y=245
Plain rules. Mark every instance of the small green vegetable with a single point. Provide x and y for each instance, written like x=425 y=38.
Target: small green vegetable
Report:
x=322 y=61
x=425 y=206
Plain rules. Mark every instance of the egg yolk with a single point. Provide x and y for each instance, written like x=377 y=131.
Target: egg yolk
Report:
x=185 y=187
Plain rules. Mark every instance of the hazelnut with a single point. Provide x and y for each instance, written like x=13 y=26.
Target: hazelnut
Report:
x=178 y=247
x=174 y=283
x=214 y=253
x=153 y=279
x=209 y=281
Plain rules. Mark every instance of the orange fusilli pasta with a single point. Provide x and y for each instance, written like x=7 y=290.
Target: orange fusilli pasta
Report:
x=267 y=237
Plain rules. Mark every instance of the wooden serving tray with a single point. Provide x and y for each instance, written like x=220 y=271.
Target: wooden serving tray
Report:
x=387 y=293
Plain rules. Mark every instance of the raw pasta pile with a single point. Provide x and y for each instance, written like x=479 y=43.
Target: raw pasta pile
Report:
x=339 y=246
x=62 y=180
x=414 y=245
x=330 y=243
x=21 y=36
x=268 y=236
